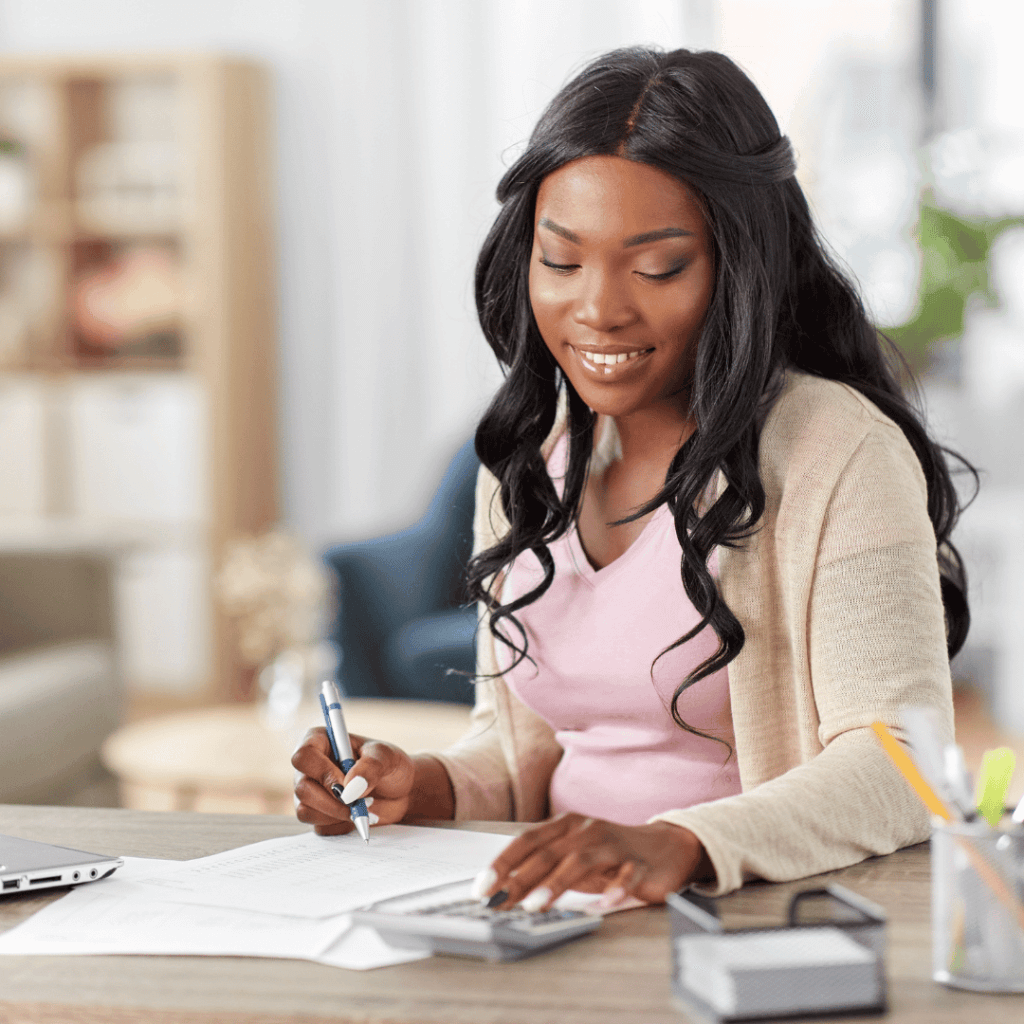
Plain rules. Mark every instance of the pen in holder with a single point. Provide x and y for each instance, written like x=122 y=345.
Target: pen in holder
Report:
x=978 y=907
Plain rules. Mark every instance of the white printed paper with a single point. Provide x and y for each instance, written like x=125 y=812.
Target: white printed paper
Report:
x=319 y=876
x=280 y=898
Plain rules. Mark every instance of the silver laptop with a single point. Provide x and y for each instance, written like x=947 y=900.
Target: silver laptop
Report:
x=27 y=865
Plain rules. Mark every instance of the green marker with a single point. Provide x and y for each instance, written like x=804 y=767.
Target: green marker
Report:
x=993 y=780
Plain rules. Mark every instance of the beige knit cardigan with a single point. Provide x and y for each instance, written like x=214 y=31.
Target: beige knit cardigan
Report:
x=838 y=595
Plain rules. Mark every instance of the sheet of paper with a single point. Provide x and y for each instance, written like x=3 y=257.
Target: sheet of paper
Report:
x=320 y=876
x=587 y=902
x=281 y=898
x=361 y=949
x=118 y=915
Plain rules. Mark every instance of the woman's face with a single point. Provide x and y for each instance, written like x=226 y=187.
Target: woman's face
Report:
x=621 y=276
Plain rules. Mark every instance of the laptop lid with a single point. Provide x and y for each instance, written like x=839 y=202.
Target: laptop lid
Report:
x=26 y=865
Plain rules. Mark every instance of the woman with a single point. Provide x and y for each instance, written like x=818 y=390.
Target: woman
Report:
x=712 y=538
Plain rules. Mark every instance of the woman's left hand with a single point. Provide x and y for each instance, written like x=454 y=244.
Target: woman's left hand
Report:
x=590 y=855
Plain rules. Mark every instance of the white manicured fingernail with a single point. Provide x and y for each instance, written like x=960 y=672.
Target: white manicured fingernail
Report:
x=483 y=882
x=354 y=790
x=536 y=899
x=612 y=898
x=372 y=819
x=368 y=801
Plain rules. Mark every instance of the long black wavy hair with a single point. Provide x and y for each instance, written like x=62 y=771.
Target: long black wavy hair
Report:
x=779 y=301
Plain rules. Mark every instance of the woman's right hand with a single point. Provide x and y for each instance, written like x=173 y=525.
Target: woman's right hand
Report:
x=383 y=773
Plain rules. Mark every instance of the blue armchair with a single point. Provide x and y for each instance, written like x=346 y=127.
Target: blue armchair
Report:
x=401 y=621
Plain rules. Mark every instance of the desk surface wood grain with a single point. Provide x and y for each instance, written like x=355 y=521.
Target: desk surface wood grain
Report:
x=620 y=974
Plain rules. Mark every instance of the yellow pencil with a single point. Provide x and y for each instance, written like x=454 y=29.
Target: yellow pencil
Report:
x=902 y=761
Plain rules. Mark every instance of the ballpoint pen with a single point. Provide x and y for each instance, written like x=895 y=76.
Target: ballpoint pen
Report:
x=330 y=703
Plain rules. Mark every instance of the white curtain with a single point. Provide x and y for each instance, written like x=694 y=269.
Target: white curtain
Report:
x=432 y=102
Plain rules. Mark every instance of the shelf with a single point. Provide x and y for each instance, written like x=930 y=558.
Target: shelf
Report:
x=33 y=535
x=85 y=228
x=143 y=260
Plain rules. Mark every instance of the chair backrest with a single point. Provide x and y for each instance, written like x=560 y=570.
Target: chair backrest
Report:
x=383 y=583
x=450 y=518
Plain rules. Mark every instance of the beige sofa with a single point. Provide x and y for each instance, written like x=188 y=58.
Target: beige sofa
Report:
x=60 y=694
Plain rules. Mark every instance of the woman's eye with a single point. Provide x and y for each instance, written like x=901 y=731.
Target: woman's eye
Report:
x=568 y=268
x=560 y=268
x=666 y=275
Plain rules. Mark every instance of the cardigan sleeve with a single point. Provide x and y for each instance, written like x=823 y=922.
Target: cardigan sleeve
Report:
x=861 y=634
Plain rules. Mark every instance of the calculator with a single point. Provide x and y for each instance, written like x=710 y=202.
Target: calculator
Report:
x=447 y=919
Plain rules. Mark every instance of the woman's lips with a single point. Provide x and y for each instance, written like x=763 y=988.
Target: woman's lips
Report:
x=610 y=366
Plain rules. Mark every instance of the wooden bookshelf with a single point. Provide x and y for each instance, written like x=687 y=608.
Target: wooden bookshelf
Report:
x=137 y=332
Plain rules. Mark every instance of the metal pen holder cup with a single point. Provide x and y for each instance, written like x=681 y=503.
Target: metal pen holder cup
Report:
x=978 y=907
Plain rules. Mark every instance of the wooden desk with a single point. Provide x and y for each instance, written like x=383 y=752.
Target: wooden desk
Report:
x=618 y=976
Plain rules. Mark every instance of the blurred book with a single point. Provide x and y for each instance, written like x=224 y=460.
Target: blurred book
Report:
x=131 y=301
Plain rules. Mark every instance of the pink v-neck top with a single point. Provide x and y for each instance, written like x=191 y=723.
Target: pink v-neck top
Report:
x=594 y=636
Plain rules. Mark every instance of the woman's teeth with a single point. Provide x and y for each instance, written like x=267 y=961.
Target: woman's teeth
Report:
x=608 y=359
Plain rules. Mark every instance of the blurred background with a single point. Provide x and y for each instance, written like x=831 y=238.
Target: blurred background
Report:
x=237 y=241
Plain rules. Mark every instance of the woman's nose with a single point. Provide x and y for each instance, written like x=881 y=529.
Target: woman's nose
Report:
x=603 y=303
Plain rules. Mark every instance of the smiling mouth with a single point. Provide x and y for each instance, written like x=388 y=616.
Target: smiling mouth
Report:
x=607 y=363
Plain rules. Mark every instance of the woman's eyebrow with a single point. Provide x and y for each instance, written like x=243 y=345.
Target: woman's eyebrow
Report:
x=647 y=236
x=654 y=236
x=568 y=235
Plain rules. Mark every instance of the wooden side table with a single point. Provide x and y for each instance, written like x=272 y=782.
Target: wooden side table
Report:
x=227 y=759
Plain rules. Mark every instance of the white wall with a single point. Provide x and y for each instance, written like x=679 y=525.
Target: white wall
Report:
x=455 y=88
